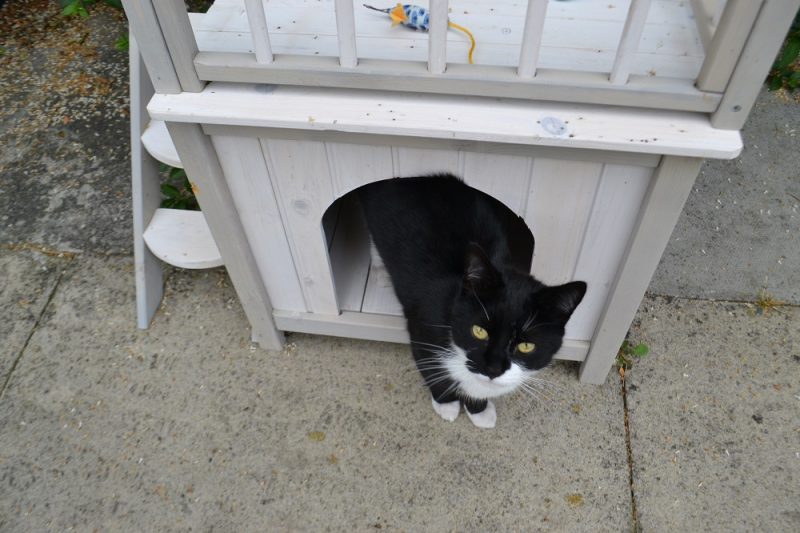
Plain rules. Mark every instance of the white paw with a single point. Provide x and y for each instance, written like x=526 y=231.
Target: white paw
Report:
x=449 y=411
x=486 y=418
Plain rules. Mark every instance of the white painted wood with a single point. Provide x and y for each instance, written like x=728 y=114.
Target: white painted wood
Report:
x=151 y=45
x=629 y=43
x=505 y=177
x=410 y=162
x=532 y=38
x=765 y=40
x=350 y=256
x=257 y=21
x=612 y=219
x=158 y=143
x=453 y=118
x=372 y=143
x=203 y=168
x=354 y=165
x=346 y=33
x=246 y=173
x=559 y=204
x=379 y=296
x=726 y=46
x=668 y=190
x=437 y=37
x=181 y=238
x=703 y=20
x=177 y=31
x=145 y=192
x=719 y=9
x=303 y=188
x=385 y=328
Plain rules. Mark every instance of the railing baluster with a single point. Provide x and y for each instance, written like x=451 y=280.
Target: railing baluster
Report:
x=346 y=33
x=532 y=38
x=629 y=43
x=437 y=37
x=258 y=29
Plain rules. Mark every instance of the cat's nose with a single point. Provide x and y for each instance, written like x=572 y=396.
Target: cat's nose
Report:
x=493 y=370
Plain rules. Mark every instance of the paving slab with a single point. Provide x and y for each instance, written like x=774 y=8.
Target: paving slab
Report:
x=739 y=233
x=715 y=417
x=188 y=426
x=27 y=279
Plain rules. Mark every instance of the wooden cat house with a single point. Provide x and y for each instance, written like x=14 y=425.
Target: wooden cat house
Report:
x=590 y=119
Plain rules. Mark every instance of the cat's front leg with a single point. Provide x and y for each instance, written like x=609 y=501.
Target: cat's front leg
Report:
x=481 y=412
x=444 y=399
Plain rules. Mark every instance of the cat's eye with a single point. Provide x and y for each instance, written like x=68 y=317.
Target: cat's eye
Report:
x=480 y=333
x=526 y=347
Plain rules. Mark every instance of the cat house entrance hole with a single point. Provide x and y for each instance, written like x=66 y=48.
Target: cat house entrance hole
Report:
x=361 y=281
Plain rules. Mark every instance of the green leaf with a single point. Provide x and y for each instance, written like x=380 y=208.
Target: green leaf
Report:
x=122 y=43
x=114 y=3
x=177 y=173
x=169 y=191
x=790 y=52
x=69 y=10
x=163 y=167
x=776 y=83
x=641 y=350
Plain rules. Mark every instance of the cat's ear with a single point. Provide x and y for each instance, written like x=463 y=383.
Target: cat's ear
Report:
x=479 y=273
x=563 y=299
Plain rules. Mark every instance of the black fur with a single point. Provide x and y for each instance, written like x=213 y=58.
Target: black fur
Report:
x=458 y=257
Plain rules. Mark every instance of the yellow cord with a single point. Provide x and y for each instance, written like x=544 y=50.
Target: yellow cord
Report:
x=469 y=34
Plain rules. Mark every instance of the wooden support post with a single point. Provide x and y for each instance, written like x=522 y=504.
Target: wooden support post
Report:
x=144 y=26
x=669 y=187
x=203 y=168
x=346 y=33
x=437 y=37
x=532 y=38
x=146 y=193
x=726 y=46
x=177 y=31
x=753 y=66
x=629 y=43
x=257 y=20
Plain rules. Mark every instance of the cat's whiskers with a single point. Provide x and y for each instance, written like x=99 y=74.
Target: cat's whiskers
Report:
x=530 y=320
x=475 y=294
x=545 y=384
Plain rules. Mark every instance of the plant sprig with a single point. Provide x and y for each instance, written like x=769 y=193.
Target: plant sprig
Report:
x=628 y=353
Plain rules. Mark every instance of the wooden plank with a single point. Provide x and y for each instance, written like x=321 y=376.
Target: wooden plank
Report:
x=703 y=21
x=661 y=208
x=437 y=37
x=181 y=238
x=257 y=21
x=301 y=178
x=762 y=46
x=177 y=31
x=629 y=43
x=505 y=177
x=379 y=295
x=248 y=179
x=382 y=328
x=152 y=47
x=725 y=48
x=410 y=162
x=158 y=143
x=346 y=33
x=371 y=143
x=145 y=192
x=354 y=165
x=558 y=187
x=532 y=38
x=480 y=80
x=350 y=257
x=454 y=118
x=203 y=168
x=612 y=219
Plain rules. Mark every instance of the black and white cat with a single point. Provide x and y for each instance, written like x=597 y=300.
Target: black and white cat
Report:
x=480 y=324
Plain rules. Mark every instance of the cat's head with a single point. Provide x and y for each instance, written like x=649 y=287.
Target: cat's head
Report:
x=505 y=326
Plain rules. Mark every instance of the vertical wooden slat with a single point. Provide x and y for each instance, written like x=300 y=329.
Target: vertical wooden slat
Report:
x=437 y=37
x=669 y=188
x=703 y=22
x=726 y=46
x=177 y=30
x=346 y=33
x=765 y=40
x=718 y=10
x=144 y=26
x=145 y=192
x=257 y=20
x=629 y=43
x=532 y=38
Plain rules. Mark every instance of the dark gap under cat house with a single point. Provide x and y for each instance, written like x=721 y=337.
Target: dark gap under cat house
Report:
x=590 y=123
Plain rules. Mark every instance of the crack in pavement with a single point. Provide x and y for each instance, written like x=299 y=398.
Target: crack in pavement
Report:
x=629 y=449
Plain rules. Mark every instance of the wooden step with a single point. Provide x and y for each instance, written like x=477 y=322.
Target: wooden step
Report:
x=182 y=239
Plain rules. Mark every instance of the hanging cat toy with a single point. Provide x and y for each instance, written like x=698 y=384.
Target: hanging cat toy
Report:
x=418 y=18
